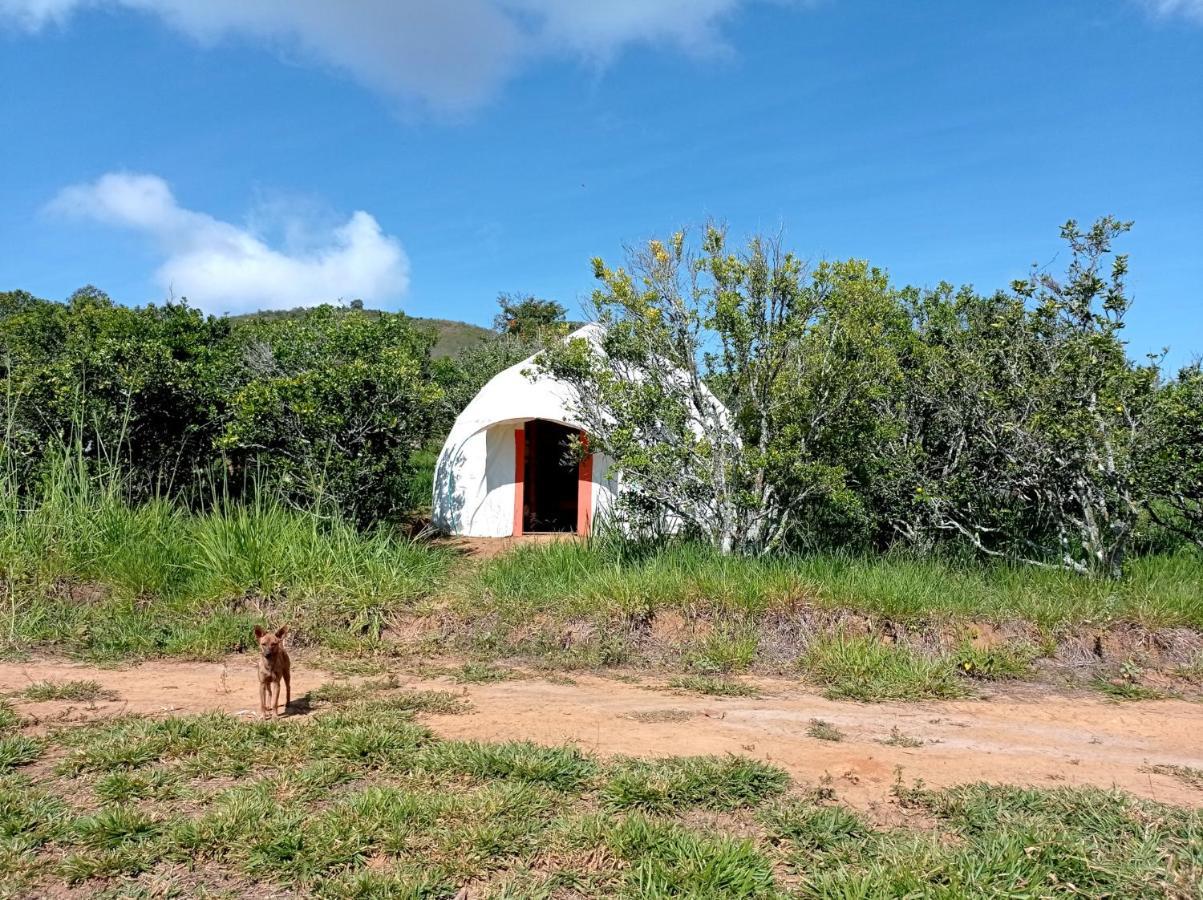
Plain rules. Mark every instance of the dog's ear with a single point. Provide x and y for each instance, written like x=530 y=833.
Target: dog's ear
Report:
x=283 y=630
x=259 y=632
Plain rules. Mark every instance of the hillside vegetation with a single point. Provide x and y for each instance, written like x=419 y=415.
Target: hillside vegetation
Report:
x=451 y=337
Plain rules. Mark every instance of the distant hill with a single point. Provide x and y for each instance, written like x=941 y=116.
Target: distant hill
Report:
x=452 y=336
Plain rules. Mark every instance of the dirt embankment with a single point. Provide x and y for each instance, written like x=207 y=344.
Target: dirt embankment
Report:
x=1022 y=736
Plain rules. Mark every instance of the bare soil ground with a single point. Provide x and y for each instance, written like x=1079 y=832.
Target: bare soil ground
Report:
x=489 y=548
x=1023 y=735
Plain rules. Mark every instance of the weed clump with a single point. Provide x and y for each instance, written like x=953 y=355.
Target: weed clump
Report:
x=824 y=731
x=898 y=739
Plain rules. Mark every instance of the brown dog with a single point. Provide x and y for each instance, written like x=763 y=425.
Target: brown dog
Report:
x=274 y=667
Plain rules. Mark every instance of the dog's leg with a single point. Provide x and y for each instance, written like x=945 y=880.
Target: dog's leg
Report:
x=262 y=700
x=287 y=690
x=275 y=696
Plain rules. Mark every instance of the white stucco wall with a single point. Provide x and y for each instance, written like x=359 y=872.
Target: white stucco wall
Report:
x=474 y=475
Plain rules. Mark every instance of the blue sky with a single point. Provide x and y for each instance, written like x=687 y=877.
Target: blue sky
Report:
x=424 y=156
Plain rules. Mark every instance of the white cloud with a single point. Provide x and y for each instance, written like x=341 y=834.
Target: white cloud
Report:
x=33 y=14
x=599 y=30
x=452 y=54
x=1189 y=9
x=221 y=267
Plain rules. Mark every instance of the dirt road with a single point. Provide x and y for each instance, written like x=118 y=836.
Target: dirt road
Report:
x=1022 y=737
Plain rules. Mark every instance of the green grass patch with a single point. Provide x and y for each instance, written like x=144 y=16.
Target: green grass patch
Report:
x=124 y=786
x=362 y=801
x=479 y=673
x=9 y=718
x=724 y=651
x=675 y=783
x=18 y=750
x=563 y=768
x=1121 y=689
x=712 y=686
x=863 y=668
x=997 y=663
x=113 y=827
x=991 y=839
x=607 y=579
x=78 y=691
x=664 y=860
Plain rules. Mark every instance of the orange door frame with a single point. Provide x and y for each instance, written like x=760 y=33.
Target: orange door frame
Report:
x=584 y=485
x=584 y=490
x=519 y=478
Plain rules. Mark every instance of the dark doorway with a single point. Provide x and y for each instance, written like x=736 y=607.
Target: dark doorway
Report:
x=549 y=478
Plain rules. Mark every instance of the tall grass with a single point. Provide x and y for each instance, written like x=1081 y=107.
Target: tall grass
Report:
x=604 y=577
x=584 y=577
x=85 y=568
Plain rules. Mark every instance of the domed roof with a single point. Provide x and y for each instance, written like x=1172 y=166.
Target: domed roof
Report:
x=521 y=392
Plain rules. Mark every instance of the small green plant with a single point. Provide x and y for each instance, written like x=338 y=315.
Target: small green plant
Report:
x=349 y=666
x=1192 y=671
x=18 y=750
x=712 y=686
x=77 y=691
x=1130 y=670
x=9 y=718
x=111 y=828
x=815 y=828
x=122 y=786
x=386 y=693
x=437 y=702
x=663 y=859
x=100 y=864
x=824 y=731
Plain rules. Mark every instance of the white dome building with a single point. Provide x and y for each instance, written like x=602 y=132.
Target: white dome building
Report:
x=503 y=470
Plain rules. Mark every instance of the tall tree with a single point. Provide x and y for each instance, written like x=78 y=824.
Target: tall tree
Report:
x=719 y=378
x=1024 y=416
x=525 y=316
x=1173 y=459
